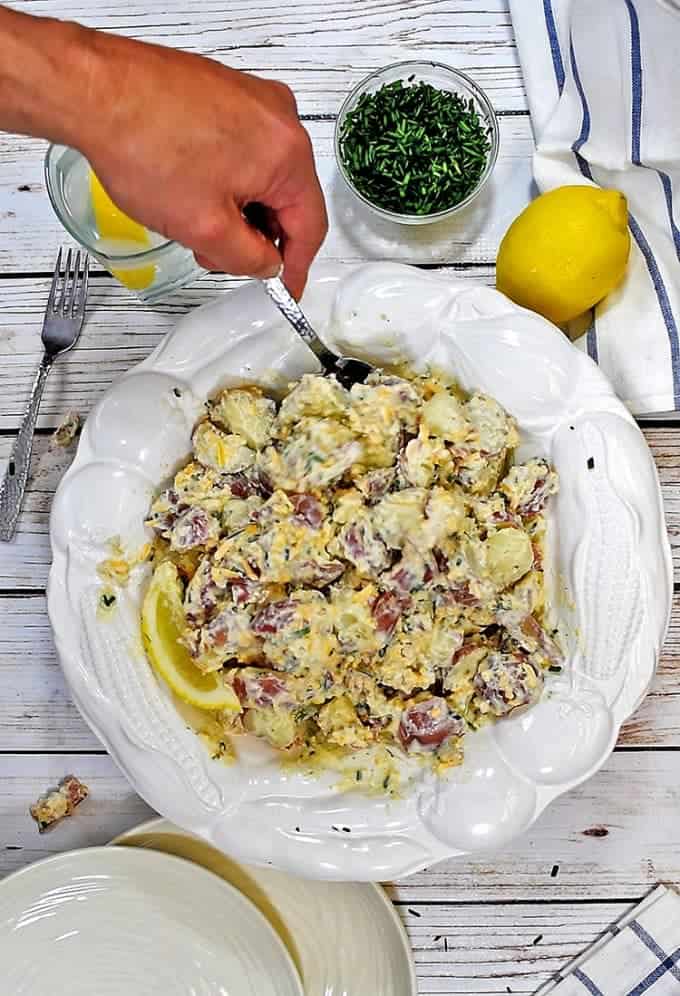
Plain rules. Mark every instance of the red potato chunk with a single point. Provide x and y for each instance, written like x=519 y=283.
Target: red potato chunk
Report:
x=308 y=509
x=245 y=592
x=360 y=544
x=460 y=594
x=530 y=635
x=273 y=618
x=261 y=689
x=165 y=511
x=429 y=724
x=202 y=595
x=58 y=803
x=376 y=483
x=507 y=682
x=320 y=573
x=193 y=528
x=387 y=610
x=245 y=485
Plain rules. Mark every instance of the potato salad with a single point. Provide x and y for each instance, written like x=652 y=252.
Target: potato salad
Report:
x=360 y=568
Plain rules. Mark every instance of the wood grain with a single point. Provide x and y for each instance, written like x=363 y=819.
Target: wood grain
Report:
x=118 y=333
x=633 y=798
x=501 y=923
x=459 y=945
x=30 y=233
x=500 y=948
x=321 y=50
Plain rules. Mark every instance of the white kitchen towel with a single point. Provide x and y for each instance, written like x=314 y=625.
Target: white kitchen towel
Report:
x=603 y=82
x=638 y=956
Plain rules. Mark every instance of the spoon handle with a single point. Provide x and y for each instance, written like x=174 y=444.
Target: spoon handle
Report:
x=292 y=312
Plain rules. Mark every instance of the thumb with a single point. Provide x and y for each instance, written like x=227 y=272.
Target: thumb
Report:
x=233 y=246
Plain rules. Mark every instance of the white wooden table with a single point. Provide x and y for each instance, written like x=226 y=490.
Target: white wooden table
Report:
x=497 y=924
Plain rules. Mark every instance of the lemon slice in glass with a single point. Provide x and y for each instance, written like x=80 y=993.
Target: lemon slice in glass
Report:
x=115 y=226
x=162 y=616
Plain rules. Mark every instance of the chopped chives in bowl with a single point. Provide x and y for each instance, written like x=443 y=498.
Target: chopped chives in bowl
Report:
x=414 y=149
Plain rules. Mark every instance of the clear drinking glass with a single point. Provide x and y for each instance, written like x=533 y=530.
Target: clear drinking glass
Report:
x=151 y=270
x=443 y=77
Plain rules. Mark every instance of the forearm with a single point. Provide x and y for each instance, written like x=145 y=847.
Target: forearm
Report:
x=44 y=76
x=181 y=143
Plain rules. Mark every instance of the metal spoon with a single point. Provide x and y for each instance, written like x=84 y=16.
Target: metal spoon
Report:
x=346 y=369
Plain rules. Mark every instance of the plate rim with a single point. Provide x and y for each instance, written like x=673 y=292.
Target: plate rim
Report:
x=154 y=824
x=107 y=852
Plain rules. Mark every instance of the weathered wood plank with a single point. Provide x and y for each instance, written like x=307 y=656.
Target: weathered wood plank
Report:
x=112 y=808
x=634 y=798
x=321 y=50
x=500 y=948
x=36 y=712
x=118 y=333
x=30 y=232
x=465 y=948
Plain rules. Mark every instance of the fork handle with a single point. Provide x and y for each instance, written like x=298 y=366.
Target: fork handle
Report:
x=13 y=483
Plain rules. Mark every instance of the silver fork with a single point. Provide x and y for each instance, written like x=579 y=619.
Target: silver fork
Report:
x=63 y=322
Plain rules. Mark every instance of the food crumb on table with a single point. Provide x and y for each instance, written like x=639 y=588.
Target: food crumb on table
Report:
x=58 y=803
x=67 y=430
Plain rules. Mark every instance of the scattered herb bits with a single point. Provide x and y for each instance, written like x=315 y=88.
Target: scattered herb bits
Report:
x=413 y=149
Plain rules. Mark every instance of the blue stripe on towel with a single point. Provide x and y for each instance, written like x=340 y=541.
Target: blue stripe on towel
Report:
x=587 y=982
x=636 y=75
x=591 y=340
x=650 y=943
x=583 y=165
x=558 y=65
x=649 y=980
x=668 y=194
x=664 y=302
x=652 y=265
x=636 y=80
x=591 y=334
x=636 y=231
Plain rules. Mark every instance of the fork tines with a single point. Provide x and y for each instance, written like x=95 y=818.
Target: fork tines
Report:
x=68 y=292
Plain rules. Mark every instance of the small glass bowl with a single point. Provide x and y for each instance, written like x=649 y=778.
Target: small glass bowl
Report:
x=442 y=77
x=149 y=272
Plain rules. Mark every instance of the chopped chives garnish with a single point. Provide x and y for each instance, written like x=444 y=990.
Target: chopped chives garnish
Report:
x=414 y=149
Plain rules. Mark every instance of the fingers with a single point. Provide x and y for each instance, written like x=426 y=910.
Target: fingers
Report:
x=304 y=224
x=227 y=243
x=207 y=264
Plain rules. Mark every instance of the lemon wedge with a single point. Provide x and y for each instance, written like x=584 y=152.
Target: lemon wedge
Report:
x=114 y=225
x=162 y=617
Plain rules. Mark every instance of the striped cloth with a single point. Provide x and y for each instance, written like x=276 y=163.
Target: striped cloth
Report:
x=603 y=78
x=639 y=955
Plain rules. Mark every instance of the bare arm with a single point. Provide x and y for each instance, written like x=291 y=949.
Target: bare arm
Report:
x=181 y=142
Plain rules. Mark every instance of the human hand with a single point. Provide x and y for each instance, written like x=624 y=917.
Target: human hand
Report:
x=183 y=144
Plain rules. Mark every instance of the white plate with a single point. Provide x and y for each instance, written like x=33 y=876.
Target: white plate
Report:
x=609 y=571
x=113 y=921
x=346 y=939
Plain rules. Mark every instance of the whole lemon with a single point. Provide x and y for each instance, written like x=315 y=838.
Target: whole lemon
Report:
x=565 y=252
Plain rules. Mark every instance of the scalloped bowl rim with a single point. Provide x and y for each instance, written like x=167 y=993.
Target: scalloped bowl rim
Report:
x=246 y=811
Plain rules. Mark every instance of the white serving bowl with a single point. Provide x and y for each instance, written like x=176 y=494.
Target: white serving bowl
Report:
x=609 y=573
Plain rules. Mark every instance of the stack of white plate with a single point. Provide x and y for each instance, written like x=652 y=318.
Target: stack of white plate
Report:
x=168 y=915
